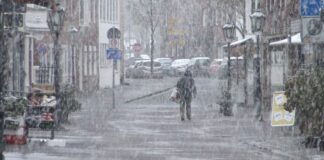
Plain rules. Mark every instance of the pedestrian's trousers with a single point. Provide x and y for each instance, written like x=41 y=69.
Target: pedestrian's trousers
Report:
x=185 y=105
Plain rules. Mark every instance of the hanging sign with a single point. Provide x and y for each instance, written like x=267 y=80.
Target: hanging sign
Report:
x=279 y=116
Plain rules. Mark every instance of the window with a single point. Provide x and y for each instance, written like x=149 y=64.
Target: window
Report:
x=84 y=60
x=93 y=9
x=272 y=4
x=101 y=10
x=258 y=4
x=95 y=60
x=116 y=11
x=81 y=11
x=90 y=60
x=85 y=14
x=113 y=11
x=110 y=10
x=103 y=60
x=283 y=4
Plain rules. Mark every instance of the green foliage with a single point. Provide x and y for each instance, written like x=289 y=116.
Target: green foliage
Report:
x=14 y=107
x=68 y=102
x=305 y=93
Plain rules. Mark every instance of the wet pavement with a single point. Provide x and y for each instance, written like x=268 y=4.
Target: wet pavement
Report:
x=151 y=129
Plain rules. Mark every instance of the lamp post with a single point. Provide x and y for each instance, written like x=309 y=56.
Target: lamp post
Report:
x=257 y=20
x=55 y=21
x=229 y=33
x=73 y=32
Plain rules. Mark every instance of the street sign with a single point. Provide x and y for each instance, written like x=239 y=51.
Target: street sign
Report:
x=279 y=116
x=113 y=33
x=113 y=53
x=312 y=30
x=311 y=8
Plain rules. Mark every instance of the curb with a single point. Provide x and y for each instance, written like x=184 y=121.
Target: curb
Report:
x=273 y=151
x=148 y=95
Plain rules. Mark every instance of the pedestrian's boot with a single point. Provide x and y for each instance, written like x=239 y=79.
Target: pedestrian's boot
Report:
x=188 y=112
x=182 y=111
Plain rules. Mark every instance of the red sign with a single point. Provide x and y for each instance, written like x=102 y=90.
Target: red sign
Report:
x=137 y=47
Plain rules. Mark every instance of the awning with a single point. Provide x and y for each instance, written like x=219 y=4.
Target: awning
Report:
x=241 y=41
x=295 y=39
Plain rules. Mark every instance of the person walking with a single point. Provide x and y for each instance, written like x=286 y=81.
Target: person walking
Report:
x=187 y=90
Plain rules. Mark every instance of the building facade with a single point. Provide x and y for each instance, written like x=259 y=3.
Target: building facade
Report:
x=109 y=17
x=78 y=42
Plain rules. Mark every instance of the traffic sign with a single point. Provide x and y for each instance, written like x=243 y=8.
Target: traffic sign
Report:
x=312 y=30
x=113 y=53
x=311 y=8
x=113 y=33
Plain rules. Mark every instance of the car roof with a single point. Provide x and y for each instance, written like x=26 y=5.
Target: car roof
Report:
x=163 y=59
x=200 y=58
x=218 y=60
x=234 y=58
x=150 y=61
x=182 y=59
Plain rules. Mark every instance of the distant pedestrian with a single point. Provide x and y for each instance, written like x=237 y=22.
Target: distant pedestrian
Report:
x=187 y=90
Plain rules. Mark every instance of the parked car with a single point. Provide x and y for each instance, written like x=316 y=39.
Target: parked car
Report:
x=179 y=66
x=131 y=71
x=237 y=68
x=166 y=64
x=142 y=69
x=199 y=66
x=214 y=66
x=132 y=60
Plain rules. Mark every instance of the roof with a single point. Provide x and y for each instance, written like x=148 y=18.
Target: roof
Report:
x=295 y=39
x=241 y=41
x=234 y=58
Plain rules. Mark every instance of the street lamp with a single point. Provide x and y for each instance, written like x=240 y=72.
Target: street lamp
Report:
x=257 y=20
x=73 y=31
x=229 y=33
x=55 y=21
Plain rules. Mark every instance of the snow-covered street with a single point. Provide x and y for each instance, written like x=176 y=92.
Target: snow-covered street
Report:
x=151 y=129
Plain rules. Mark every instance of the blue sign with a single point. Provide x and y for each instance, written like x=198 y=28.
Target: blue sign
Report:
x=311 y=8
x=42 y=48
x=113 y=53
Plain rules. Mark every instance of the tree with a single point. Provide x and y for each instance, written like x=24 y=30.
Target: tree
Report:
x=147 y=14
x=187 y=17
x=305 y=94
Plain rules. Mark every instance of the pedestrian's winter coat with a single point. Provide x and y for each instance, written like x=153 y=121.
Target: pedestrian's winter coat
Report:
x=187 y=89
x=186 y=86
